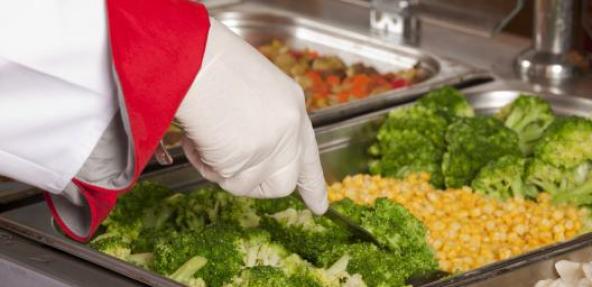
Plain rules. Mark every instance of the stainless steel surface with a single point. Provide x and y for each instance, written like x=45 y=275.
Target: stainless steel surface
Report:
x=12 y=190
x=552 y=42
x=395 y=20
x=27 y=263
x=258 y=26
x=343 y=150
x=482 y=17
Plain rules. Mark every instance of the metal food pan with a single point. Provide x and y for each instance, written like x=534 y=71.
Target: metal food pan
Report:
x=343 y=149
x=259 y=28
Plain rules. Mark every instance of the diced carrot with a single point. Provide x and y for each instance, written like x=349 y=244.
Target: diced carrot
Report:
x=333 y=80
x=315 y=76
x=360 y=85
x=360 y=80
x=318 y=85
x=343 y=97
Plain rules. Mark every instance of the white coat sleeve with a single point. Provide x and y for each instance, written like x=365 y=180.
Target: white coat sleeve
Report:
x=56 y=90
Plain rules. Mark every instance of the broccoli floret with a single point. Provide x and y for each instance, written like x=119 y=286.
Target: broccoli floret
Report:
x=411 y=140
x=563 y=160
x=472 y=143
x=148 y=237
x=377 y=268
x=350 y=209
x=261 y=276
x=271 y=206
x=199 y=208
x=407 y=152
x=210 y=204
x=448 y=101
x=566 y=143
x=504 y=178
x=137 y=208
x=241 y=212
x=528 y=116
x=302 y=232
x=581 y=195
x=417 y=118
x=337 y=274
x=303 y=273
x=564 y=184
x=112 y=244
x=258 y=250
x=395 y=227
x=219 y=244
x=549 y=178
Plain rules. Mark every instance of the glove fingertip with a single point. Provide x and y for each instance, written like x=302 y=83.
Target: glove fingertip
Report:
x=194 y=158
x=317 y=201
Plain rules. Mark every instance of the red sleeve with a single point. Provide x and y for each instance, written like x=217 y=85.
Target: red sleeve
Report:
x=157 y=48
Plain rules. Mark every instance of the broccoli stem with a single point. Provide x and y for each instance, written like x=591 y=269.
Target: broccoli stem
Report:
x=141 y=259
x=158 y=219
x=581 y=195
x=339 y=266
x=186 y=271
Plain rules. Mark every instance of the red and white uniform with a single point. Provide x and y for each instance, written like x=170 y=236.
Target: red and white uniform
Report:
x=88 y=88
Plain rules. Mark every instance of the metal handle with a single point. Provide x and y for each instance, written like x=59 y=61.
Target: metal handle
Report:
x=553 y=25
x=163 y=157
x=395 y=20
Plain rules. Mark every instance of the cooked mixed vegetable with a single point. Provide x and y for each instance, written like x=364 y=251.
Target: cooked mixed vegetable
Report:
x=327 y=80
x=210 y=238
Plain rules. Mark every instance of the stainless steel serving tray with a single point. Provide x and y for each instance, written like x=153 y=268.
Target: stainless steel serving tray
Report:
x=343 y=149
x=259 y=28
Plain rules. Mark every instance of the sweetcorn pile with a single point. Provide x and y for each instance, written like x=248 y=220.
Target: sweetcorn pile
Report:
x=466 y=229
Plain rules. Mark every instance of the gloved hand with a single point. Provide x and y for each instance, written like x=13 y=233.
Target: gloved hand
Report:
x=246 y=125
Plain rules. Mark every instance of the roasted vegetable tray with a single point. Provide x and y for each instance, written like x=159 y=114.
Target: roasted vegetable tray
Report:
x=259 y=28
x=343 y=152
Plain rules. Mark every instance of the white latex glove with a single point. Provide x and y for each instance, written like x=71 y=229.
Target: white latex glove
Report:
x=246 y=125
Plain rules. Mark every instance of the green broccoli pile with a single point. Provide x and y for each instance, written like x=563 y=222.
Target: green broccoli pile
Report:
x=210 y=238
x=520 y=151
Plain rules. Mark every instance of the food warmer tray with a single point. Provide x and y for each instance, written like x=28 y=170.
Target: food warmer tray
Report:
x=343 y=149
x=259 y=28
